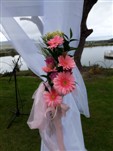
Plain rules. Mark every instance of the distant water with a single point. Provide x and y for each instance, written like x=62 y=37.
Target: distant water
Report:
x=90 y=56
x=95 y=55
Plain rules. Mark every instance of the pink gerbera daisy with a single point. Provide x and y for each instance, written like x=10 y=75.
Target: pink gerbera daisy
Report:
x=66 y=62
x=56 y=41
x=52 y=98
x=64 y=83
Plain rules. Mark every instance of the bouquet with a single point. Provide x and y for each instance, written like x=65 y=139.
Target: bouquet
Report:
x=58 y=69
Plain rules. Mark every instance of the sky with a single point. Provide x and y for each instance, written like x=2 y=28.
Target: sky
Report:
x=100 y=19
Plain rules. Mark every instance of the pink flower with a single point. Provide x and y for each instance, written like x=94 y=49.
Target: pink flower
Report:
x=50 y=65
x=54 y=42
x=50 y=61
x=64 y=83
x=53 y=75
x=48 y=69
x=66 y=62
x=52 y=98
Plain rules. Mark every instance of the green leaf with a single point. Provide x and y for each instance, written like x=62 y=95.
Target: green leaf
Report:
x=45 y=76
x=73 y=48
x=71 y=33
x=66 y=37
x=73 y=40
x=66 y=45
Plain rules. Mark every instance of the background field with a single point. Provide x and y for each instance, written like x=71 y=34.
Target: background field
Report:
x=98 y=130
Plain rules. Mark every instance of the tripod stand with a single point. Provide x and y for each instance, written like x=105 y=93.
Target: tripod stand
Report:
x=16 y=113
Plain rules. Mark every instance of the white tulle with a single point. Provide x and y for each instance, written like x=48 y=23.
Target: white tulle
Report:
x=55 y=15
x=72 y=129
x=71 y=123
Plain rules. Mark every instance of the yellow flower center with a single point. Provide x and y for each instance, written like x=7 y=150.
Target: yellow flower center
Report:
x=53 y=97
x=64 y=82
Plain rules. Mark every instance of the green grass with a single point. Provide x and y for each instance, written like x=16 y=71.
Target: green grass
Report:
x=18 y=137
x=98 y=130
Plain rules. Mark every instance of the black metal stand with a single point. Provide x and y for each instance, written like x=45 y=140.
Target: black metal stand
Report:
x=17 y=112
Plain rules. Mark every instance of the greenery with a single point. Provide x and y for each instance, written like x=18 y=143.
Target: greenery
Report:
x=18 y=137
x=98 y=130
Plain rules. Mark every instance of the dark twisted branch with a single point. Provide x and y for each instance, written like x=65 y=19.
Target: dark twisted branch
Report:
x=85 y=32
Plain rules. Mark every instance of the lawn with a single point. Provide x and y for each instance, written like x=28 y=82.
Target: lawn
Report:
x=98 y=130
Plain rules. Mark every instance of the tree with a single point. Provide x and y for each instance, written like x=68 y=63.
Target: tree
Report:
x=85 y=32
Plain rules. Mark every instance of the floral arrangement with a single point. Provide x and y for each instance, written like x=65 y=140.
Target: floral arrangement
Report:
x=58 y=69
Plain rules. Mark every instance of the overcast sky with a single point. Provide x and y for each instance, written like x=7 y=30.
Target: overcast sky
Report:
x=100 y=20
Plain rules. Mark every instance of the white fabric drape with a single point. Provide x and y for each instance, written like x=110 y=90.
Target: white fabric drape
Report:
x=17 y=8
x=56 y=15
x=71 y=123
x=22 y=43
x=63 y=15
